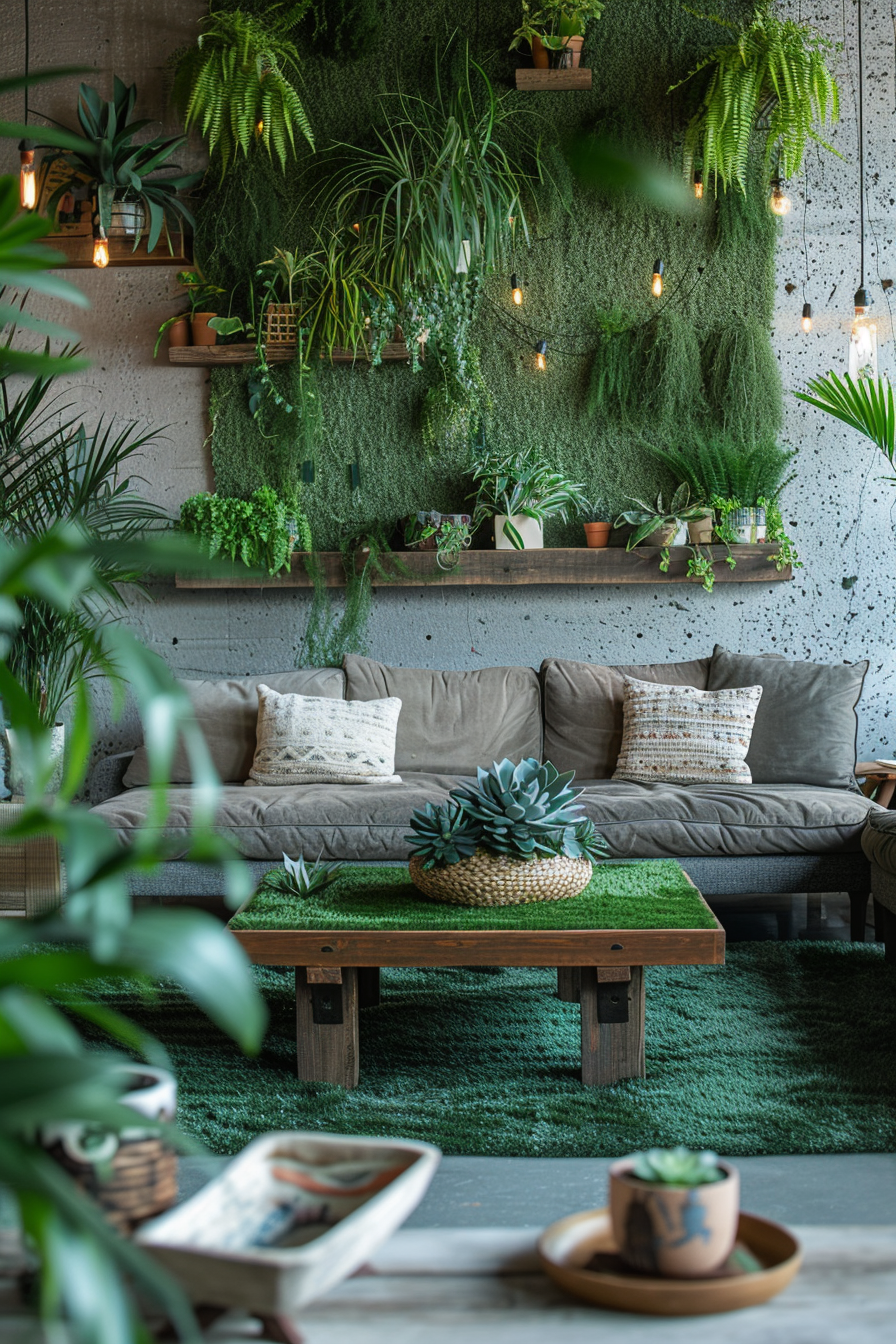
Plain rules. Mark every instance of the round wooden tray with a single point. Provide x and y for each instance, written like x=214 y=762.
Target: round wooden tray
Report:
x=567 y=1247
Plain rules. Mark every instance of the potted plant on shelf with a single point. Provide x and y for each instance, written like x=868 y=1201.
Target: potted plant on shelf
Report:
x=516 y=835
x=130 y=199
x=556 y=31
x=656 y=525
x=597 y=526
x=674 y=1212
x=448 y=534
x=261 y=532
x=771 y=76
x=194 y=325
x=520 y=491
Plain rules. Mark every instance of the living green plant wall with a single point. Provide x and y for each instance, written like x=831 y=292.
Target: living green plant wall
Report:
x=707 y=360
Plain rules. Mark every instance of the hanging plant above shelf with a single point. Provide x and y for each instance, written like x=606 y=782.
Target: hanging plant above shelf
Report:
x=772 y=76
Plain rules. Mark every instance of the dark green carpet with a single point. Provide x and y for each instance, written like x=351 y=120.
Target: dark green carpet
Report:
x=653 y=894
x=789 y=1048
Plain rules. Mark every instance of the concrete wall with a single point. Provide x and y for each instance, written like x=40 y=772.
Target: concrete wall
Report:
x=839 y=510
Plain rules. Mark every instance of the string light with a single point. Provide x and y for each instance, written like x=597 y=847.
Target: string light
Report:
x=806 y=320
x=259 y=128
x=656 y=287
x=698 y=185
x=27 y=176
x=100 y=247
x=516 y=289
x=541 y=350
x=779 y=202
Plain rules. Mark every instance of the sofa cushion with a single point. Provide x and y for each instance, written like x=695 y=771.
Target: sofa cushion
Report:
x=806 y=723
x=652 y=821
x=684 y=736
x=313 y=739
x=583 y=709
x=337 y=821
x=454 y=721
x=227 y=712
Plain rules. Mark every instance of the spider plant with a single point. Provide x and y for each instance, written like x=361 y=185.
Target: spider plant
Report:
x=106 y=156
x=772 y=75
x=522 y=483
x=438 y=185
x=865 y=404
x=234 y=85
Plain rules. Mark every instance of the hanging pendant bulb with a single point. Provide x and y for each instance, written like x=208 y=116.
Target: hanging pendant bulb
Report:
x=516 y=289
x=259 y=128
x=806 y=320
x=656 y=287
x=779 y=202
x=698 y=185
x=100 y=247
x=862 y=339
x=27 y=175
x=541 y=350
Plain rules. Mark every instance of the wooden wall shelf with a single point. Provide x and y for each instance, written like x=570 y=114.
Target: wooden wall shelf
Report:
x=213 y=356
x=77 y=248
x=508 y=568
x=534 y=81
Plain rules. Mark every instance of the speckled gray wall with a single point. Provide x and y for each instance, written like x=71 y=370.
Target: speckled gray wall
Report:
x=840 y=510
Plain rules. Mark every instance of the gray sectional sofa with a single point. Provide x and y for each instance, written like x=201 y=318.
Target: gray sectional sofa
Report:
x=796 y=828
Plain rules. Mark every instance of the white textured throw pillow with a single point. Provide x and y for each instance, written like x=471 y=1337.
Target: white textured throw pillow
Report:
x=680 y=735
x=310 y=739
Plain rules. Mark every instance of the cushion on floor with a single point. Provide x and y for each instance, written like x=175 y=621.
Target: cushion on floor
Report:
x=639 y=820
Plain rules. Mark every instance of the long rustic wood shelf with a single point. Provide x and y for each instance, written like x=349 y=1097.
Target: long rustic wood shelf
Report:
x=213 y=356
x=77 y=248
x=533 y=81
x=507 y=568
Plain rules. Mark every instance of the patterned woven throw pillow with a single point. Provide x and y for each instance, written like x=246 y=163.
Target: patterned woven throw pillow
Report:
x=310 y=739
x=680 y=735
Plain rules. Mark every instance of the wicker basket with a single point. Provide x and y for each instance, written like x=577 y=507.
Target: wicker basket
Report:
x=32 y=878
x=280 y=325
x=139 y=1183
x=494 y=879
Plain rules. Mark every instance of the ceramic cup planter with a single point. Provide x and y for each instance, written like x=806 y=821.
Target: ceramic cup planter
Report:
x=203 y=334
x=670 y=534
x=748 y=525
x=179 y=332
x=678 y=1231
x=700 y=529
x=531 y=531
x=597 y=535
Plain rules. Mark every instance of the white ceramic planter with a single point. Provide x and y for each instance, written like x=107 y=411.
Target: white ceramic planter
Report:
x=18 y=779
x=531 y=531
x=292 y=1215
x=151 y=1093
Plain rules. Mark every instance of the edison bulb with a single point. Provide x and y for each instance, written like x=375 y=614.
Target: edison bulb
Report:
x=698 y=186
x=806 y=320
x=259 y=127
x=656 y=287
x=779 y=202
x=101 y=250
x=27 y=180
x=516 y=290
x=541 y=350
x=863 y=348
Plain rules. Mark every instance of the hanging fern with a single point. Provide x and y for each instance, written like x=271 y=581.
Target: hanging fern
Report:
x=743 y=381
x=234 y=83
x=772 y=76
x=614 y=389
x=672 y=380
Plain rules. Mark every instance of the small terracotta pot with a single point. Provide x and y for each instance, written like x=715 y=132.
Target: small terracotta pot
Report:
x=597 y=535
x=202 y=332
x=680 y=1232
x=700 y=529
x=540 y=56
x=179 y=332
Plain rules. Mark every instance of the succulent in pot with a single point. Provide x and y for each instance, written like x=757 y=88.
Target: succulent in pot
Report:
x=674 y=1211
x=520 y=490
x=598 y=526
x=517 y=835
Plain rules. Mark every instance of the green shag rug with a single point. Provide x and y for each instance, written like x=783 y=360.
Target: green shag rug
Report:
x=650 y=894
x=789 y=1048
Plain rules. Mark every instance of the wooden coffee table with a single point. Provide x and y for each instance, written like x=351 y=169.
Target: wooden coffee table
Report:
x=601 y=969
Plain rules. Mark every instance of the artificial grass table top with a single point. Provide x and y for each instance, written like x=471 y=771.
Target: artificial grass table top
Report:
x=646 y=894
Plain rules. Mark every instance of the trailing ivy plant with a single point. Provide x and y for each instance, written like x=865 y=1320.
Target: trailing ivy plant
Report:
x=234 y=85
x=261 y=531
x=773 y=75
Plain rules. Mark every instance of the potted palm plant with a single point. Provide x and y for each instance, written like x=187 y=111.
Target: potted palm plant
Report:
x=555 y=31
x=520 y=491
x=130 y=198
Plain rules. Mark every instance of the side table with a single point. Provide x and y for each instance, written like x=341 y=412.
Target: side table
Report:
x=32 y=878
x=879 y=782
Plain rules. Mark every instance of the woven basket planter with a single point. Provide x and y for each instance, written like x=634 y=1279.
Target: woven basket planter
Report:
x=280 y=325
x=494 y=879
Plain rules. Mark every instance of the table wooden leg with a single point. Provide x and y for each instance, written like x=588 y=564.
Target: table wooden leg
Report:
x=368 y=986
x=327 y=1027
x=612 y=1024
x=568 y=984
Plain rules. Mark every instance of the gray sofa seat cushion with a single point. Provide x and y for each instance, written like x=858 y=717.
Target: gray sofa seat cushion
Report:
x=879 y=839
x=454 y=721
x=806 y=723
x=583 y=709
x=339 y=821
x=648 y=821
x=227 y=712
